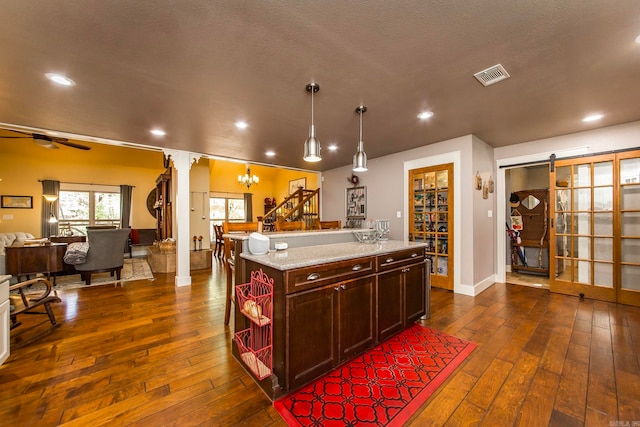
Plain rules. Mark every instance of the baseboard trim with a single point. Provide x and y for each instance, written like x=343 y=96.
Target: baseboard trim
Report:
x=473 y=290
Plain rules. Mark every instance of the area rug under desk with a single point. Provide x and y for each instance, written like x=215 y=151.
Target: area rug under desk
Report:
x=382 y=387
x=132 y=269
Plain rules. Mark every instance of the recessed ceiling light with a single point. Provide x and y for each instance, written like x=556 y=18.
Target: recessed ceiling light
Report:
x=241 y=124
x=60 y=79
x=270 y=153
x=425 y=115
x=158 y=132
x=593 y=118
x=332 y=147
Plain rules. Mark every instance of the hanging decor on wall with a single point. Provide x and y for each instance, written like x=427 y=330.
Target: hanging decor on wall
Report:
x=478 y=181
x=490 y=184
x=354 y=180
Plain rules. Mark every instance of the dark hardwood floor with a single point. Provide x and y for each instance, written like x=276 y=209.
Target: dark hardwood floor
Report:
x=149 y=354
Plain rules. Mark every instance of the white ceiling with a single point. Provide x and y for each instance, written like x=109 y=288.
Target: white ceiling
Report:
x=193 y=68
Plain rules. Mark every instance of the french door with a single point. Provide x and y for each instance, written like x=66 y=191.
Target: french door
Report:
x=596 y=227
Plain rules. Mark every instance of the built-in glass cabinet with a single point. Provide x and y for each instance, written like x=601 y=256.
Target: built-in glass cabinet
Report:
x=431 y=219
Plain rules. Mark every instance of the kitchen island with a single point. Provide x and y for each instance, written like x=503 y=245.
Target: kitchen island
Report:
x=322 y=304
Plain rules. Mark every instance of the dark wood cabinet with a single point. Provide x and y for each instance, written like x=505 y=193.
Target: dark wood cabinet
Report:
x=390 y=302
x=312 y=329
x=328 y=326
x=326 y=314
x=356 y=316
x=29 y=260
x=401 y=291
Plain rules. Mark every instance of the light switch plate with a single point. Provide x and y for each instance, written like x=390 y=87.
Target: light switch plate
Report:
x=399 y=214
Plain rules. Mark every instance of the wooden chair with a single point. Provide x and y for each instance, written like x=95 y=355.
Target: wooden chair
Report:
x=290 y=225
x=24 y=303
x=218 y=250
x=229 y=258
x=326 y=225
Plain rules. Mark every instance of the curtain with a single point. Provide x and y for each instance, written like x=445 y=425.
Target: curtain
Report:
x=248 y=207
x=50 y=210
x=125 y=205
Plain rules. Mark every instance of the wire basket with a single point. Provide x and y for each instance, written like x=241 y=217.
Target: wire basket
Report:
x=252 y=352
x=255 y=299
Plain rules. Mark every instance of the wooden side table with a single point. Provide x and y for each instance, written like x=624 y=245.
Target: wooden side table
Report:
x=26 y=260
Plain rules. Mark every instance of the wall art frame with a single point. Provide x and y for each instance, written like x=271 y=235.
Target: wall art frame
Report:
x=294 y=184
x=16 y=202
x=356 y=202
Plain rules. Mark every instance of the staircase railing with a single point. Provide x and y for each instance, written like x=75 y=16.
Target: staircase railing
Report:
x=301 y=205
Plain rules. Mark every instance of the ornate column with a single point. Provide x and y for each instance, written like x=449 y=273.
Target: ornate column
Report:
x=182 y=161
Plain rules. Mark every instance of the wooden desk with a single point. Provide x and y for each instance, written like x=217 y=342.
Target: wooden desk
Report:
x=28 y=260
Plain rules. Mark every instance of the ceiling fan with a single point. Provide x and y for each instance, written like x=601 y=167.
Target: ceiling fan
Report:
x=47 y=141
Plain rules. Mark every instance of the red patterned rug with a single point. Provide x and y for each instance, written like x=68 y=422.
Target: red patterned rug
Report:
x=382 y=387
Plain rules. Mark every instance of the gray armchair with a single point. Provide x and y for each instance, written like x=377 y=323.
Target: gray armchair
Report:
x=106 y=253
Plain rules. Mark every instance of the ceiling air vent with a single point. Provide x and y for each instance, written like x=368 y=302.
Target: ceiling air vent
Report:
x=491 y=75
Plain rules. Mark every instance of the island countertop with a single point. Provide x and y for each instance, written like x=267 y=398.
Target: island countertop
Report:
x=319 y=254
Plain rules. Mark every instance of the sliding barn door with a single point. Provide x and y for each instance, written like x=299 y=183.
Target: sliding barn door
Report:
x=629 y=220
x=595 y=234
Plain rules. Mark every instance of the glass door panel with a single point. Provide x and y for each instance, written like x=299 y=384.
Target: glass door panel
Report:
x=603 y=274
x=630 y=278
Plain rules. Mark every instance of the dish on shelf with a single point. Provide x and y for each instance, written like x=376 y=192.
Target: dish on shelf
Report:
x=367 y=235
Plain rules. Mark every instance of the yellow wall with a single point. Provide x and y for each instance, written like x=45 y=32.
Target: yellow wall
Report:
x=23 y=164
x=274 y=182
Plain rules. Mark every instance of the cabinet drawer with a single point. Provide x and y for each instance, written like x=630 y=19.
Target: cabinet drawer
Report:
x=311 y=277
x=398 y=259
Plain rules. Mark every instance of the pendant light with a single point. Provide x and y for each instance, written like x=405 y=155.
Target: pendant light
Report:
x=312 y=145
x=360 y=158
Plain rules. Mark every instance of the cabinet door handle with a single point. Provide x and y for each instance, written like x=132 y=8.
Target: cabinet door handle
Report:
x=343 y=286
x=389 y=260
x=337 y=288
x=356 y=267
x=313 y=276
x=414 y=255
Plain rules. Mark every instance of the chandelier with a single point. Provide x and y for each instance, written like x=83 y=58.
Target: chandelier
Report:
x=247 y=179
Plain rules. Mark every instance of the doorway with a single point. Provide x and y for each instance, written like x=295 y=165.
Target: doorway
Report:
x=527 y=248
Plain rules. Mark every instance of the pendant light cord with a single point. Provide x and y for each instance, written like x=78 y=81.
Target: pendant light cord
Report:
x=360 y=147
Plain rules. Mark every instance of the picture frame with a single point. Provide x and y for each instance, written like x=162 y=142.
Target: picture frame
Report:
x=16 y=202
x=356 y=202
x=294 y=184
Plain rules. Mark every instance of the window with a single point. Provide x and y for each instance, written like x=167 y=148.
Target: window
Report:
x=82 y=205
x=221 y=209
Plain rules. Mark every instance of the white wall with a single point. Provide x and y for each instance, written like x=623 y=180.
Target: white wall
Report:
x=387 y=193
x=484 y=235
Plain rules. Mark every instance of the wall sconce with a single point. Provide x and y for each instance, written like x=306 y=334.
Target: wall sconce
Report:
x=51 y=198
